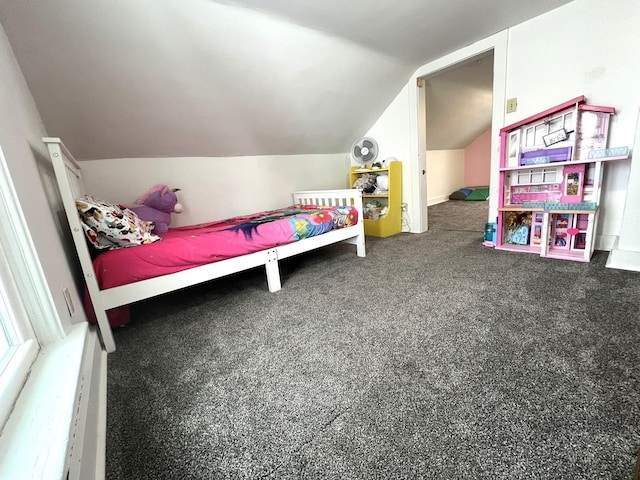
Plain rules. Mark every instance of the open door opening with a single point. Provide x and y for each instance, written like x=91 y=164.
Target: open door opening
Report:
x=458 y=105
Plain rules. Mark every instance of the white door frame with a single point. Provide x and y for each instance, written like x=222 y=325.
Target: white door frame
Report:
x=417 y=114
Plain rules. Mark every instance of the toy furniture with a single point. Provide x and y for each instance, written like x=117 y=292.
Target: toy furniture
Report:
x=551 y=168
x=342 y=221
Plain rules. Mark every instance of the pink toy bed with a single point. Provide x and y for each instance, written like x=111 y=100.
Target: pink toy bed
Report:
x=189 y=255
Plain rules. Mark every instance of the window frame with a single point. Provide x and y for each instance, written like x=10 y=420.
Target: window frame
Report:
x=30 y=319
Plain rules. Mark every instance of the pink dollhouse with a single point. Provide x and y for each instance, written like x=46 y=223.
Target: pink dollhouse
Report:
x=551 y=167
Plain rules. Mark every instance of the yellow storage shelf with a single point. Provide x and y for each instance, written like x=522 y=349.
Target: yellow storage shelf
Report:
x=391 y=223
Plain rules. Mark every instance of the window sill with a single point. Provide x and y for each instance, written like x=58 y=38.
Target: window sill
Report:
x=37 y=439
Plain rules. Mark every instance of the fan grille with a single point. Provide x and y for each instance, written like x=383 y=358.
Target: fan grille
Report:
x=364 y=150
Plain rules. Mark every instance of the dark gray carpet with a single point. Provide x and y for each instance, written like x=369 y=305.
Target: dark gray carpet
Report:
x=458 y=215
x=434 y=358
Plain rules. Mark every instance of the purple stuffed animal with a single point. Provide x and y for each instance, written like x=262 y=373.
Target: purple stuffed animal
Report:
x=156 y=206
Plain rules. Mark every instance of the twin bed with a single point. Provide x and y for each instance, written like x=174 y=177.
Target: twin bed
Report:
x=187 y=256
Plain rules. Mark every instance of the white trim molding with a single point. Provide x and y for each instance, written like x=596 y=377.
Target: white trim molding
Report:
x=58 y=426
x=623 y=259
x=25 y=267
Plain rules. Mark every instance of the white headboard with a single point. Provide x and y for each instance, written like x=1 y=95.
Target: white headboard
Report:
x=69 y=178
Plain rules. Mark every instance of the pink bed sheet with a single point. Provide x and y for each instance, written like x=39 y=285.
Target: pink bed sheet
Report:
x=192 y=246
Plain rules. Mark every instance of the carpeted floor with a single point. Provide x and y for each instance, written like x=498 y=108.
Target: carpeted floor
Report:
x=432 y=358
x=458 y=215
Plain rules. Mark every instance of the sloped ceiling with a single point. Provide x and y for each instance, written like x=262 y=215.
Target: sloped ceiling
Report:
x=146 y=78
x=459 y=103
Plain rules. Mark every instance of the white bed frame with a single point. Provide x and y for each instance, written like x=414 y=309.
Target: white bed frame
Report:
x=69 y=177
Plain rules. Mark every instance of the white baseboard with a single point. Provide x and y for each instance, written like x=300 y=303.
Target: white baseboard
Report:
x=435 y=200
x=623 y=259
x=605 y=242
x=87 y=450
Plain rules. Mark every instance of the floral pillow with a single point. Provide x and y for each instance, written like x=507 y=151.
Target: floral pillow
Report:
x=109 y=226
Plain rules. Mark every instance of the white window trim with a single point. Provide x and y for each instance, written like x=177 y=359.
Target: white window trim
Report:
x=44 y=436
x=25 y=268
x=25 y=295
x=52 y=381
x=14 y=375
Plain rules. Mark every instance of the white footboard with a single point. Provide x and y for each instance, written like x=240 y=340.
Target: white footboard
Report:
x=353 y=235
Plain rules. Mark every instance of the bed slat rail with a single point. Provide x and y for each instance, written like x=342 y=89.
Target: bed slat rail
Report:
x=134 y=292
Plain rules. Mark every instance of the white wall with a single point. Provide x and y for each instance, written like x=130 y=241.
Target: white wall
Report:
x=477 y=161
x=626 y=251
x=230 y=186
x=408 y=116
x=597 y=58
x=217 y=188
x=21 y=131
x=590 y=48
x=392 y=131
x=446 y=174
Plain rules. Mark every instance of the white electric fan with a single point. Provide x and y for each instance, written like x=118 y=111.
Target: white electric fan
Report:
x=364 y=151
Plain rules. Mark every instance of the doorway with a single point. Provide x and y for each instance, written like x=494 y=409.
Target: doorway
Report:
x=417 y=195
x=458 y=104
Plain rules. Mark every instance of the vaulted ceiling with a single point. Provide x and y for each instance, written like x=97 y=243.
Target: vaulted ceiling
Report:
x=146 y=78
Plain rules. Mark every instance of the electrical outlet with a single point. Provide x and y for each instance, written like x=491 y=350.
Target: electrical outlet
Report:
x=67 y=298
x=512 y=105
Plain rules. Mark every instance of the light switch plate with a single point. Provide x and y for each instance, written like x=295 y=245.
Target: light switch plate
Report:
x=512 y=105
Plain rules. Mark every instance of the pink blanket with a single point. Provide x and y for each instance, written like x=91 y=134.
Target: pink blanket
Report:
x=187 y=247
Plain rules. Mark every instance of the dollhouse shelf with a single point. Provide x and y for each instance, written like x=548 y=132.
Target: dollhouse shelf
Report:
x=561 y=164
x=519 y=248
x=551 y=170
x=564 y=255
x=520 y=208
